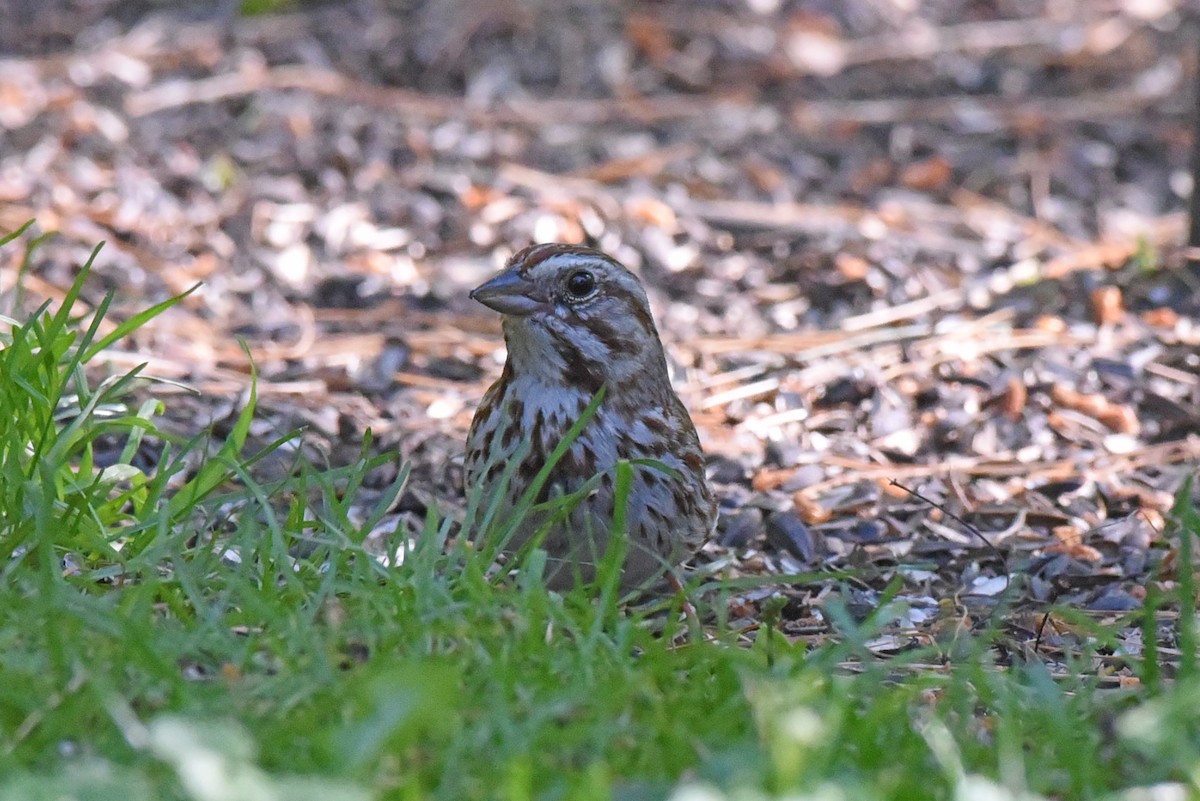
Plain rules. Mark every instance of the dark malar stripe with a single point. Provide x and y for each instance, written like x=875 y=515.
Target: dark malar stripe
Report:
x=577 y=373
x=643 y=316
x=619 y=343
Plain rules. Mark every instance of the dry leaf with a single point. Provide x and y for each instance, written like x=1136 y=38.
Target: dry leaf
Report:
x=810 y=511
x=1162 y=317
x=1012 y=402
x=648 y=35
x=650 y=211
x=1107 y=305
x=851 y=267
x=929 y=175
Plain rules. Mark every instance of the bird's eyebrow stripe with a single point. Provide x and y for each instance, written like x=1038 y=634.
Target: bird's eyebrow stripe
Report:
x=525 y=260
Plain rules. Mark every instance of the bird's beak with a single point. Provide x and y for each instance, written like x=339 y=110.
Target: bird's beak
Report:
x=508 y=293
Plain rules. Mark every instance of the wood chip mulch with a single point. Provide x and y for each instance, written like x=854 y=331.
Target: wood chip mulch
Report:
x=921 y=272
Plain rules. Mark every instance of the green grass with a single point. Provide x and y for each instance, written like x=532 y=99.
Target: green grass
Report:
x=159 y=641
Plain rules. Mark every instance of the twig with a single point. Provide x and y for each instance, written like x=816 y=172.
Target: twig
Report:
x=407 y=102
x=962 y=522
x=650 y=164
x=1194 y=204
x=1162 y=454
x=787 y=217
x=999 y=113
x=974 y=37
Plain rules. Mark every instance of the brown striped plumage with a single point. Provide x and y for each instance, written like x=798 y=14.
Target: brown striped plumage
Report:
x=575 y=321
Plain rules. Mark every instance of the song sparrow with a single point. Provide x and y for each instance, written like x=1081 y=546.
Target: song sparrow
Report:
x=575 y=321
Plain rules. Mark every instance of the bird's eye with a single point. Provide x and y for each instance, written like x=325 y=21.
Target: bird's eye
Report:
x=581 y=283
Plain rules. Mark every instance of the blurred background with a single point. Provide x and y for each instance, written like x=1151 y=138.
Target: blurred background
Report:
x=884 y=238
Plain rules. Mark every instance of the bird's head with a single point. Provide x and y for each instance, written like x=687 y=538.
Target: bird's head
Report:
x=573 y=314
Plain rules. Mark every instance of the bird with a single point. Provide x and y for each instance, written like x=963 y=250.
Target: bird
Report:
x=578 y=329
